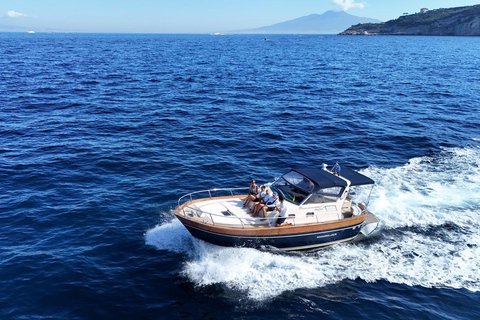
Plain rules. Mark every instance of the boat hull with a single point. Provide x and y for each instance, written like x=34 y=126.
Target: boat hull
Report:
x=284 y=238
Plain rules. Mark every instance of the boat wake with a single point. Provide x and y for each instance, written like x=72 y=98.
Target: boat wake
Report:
x=429 y=236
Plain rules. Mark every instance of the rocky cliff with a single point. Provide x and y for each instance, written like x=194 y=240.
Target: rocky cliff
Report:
x=461 y=21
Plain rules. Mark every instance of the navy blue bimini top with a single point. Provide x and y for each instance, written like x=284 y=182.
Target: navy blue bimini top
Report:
x=324 y=179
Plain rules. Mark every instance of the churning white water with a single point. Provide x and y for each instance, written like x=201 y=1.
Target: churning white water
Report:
x=429 y=235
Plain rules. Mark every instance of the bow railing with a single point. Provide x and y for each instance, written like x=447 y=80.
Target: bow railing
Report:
x=185 y=204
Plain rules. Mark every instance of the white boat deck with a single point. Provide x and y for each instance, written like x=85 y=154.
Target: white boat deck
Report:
x=228 y=212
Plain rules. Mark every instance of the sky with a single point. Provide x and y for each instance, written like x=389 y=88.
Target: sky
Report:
x=192 y=16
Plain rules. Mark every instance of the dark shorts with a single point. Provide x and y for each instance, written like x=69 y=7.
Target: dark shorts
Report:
x=270 y=208
x=281 y=220
x=256 y=200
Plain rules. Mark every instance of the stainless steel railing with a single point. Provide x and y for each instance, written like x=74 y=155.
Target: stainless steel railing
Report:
x=186 y=200
x=216 y=192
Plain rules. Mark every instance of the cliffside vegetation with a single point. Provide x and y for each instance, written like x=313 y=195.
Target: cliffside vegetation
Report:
x=451 y=21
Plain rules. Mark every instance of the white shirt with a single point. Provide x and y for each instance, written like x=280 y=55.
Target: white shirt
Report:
x=283 y=209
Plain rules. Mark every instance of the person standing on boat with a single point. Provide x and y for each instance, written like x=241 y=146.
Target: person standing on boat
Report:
x=336 y=169
x=282 y=209
x=252 y=193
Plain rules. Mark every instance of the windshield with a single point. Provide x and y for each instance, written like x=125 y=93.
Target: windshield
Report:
x=326 y=195
x=294 y=187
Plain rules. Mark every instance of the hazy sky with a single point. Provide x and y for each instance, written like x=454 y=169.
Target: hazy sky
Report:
x=192 y=16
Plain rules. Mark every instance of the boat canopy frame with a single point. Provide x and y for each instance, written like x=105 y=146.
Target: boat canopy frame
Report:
x=300 y=185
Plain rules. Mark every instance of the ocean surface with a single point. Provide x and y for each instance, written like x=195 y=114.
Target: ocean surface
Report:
x=101 y=134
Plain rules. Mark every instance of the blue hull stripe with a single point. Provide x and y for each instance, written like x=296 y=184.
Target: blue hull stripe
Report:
x=286 y=242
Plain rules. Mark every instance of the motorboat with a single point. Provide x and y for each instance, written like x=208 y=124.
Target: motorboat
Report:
x=320 y=212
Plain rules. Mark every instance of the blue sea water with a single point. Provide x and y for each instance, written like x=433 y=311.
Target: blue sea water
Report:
x=101 y=134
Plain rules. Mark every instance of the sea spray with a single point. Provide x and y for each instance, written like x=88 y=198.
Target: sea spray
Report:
x=429 y=237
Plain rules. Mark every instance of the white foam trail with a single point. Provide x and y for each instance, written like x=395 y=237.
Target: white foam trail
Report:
x=430 y=236
x=428 y=190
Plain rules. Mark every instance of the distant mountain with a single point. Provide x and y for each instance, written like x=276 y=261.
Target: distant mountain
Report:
x=330 y=22
x=460 y=21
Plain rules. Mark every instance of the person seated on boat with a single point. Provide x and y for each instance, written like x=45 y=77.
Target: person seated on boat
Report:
x=270 y=204
x=268 y=199
x=282 y=209
x=258 y=198
x=261 y=201
x=336 y=169
x=252 y=193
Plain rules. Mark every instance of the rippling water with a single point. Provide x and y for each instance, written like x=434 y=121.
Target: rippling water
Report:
x=101 y=134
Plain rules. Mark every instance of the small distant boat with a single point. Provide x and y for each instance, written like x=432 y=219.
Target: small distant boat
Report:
x=30 y=31
x=320 y=212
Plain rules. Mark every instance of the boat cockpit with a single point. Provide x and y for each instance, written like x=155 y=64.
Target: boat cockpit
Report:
x=299 y=190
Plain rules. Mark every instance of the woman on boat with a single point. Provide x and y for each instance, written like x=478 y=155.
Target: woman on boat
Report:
x=259 y=201
x=252 y=193
x=258 y=198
